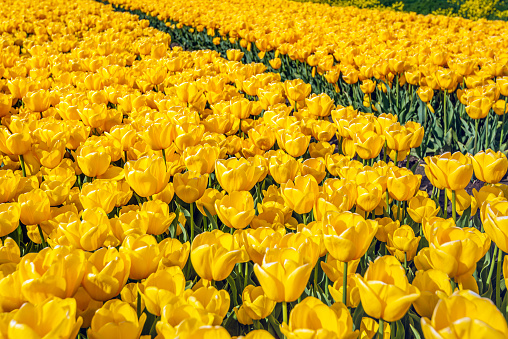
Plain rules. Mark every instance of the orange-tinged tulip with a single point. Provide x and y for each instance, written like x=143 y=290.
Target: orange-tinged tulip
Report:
x=385 y=291
x=190 y=186
x=53 y=318
x=314 y=318
x=106 y=273
x=429 y=282
x=147 y=175
x=465 y=314
x=490 y=166
x=301 y=194
x=236 y=210
x=35 y=207
x=214 y=255
x=116 y=319
x=347 y=235
x=283 y=274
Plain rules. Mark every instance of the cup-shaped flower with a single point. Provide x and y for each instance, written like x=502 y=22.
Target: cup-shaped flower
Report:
x=255 y=302
x=301 y=194
x=106 y=273
x=116 y=319
x=214 y=255
x=147 y=175
x=495 y=223
x=421 y=207
x=35 y=207
x=402 y=184
x=237 y=174
x=465 y=314
x=99 y=193
x=93 y=160
x=144 y=253
x=428 y=283
x=10 y=214
x=312 y=318
x=347 y=235
x=490 y=166
x=190 y=186
x=201 y=158
x=452 y=171
x=236 y=210
x=207 y=201
x=403 y=243
x=385 y=291
x=283 y=274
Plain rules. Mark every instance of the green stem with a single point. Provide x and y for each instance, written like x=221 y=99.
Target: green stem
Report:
x=42 y=236
x=454 y=206
x=475 y=135
x=498 y=278
x=344 y=284
x=191 y=208
x=304 y=216
x=405 y=261
x=486 y=145
x=246 y=277
x=315 y=280
x=502 y=126
x=398 y=217
x=445 y=205
x=381 y=329
x=125 y=152
x=285 y=313
x=491 y=269
x=387 y=197
x=22 y=161
x=138 y=305
x=444 y=115
x=164 y=156
x=386 y=151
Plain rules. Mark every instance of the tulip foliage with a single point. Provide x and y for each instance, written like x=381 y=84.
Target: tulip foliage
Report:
x=148 y=190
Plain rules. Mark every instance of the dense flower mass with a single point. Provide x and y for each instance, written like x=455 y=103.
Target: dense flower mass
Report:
x=149 y=190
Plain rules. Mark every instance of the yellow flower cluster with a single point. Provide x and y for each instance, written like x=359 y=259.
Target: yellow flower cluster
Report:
x=148 y=190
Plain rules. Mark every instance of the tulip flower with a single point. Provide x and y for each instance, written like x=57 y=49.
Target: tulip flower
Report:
x=391 y=302
x=144 y=253
x=258 y=241
x=283 y=167
x=147 y=175
x=9 y=252
x=106 y=273
x=100 y=193
x=490 y=166
x=420 y=208
x=403 y=244
x=215 y=302
x=130 y=223
x=35 y=207
x=236 y=210
x=92 y=160
x=89 y=233
x=159 y=135
x=116 y=319
x=301 y=194
x=9 y=183
x=214 y=255
x=493 y=218
x=159 y=217
x=467 y=315
x=429 y=282
x=369 y=196
x=255 y=302
x=369 y=328
x=10 y=214
x=402 y=184
x=208 y=200
x=295 y=143
x=201 y=158
x=312 y=317
x=368 y=144
x=174 y=253
x=53 y=318
x=237 y=174
x=452 y=171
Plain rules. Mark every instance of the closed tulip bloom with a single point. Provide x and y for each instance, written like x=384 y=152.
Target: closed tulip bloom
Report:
x=456 y=250
x=403 y=243
x=35 y=207
x=51 y=273
x=283 y=274
x=420 y=208
x=14 y=143
x=490 y=166
x=159 y=217
x=368 y=144
x=160 y=287
x=215 y=302
x=385 y=291
x=398 y=138
x=334 y=268
x=145 y=254
x=214 y=255
x=236 y=210
x=452 y=171
x=9 y=252
x=89 y=233
x=402 y=184
x=38 y=101
x=53 y=318
x=425 y=93
x=263 y=136
x=237 y=174
x=258 y=241
x=174 y=253
x=255 y=302
x=99 y=193
x=386 y=226
x=295 y=143
x=190 y=186
x=347 y=235
x=92 y=160
x=106 y=273
x=10 y=214
x=283 y=168
x=314 y=318
x=315 y=167
x=130 y=223
x=494 y=222
x=301 y=194
x=234 y=54
x=479 y=107
x=369 y=196
x=320 y=105
x=116 y=319
x=147 y=175
x=429 y=282
x=465 y=314
x=188 y=134
x=201 y=158
x=9 y=183
x=160 y=134
x=297 y=90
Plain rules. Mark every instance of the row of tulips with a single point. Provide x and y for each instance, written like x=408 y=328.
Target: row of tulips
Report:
x=151 y=191
x=454 y=87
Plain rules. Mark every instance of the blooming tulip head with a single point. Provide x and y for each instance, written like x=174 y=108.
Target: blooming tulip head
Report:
x=236 y=210
x=190 y=186
x=490 y=166
x=147 y=175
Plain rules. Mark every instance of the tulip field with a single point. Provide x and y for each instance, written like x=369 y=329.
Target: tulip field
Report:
x=251 y=169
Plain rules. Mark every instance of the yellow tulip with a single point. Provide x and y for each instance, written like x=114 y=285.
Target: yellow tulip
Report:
x=174 y=253
x=301 y=194
x=314 y=318
x=190 y=186
x=147 y=175
x=159 y=217
x=283 y=167
x=236 y=210
x=465 y=314
x=144 y=253
x=99 y=193
x=429 y=282
x=10 y=214
x=402 y=184
x=452 y=171
x=493 y=216
x=490 y=166
x=35 y=207
x=255 y=302
x=208 y=200
x=214 y=255
x=420 y=208
x=201 y=158
x=237 y=174
x=92 y=160
x=385 y=291
x=116 y=319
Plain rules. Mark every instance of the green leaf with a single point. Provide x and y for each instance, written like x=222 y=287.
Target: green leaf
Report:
x=358 y=315
x=415 y=332
x=210 y=217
